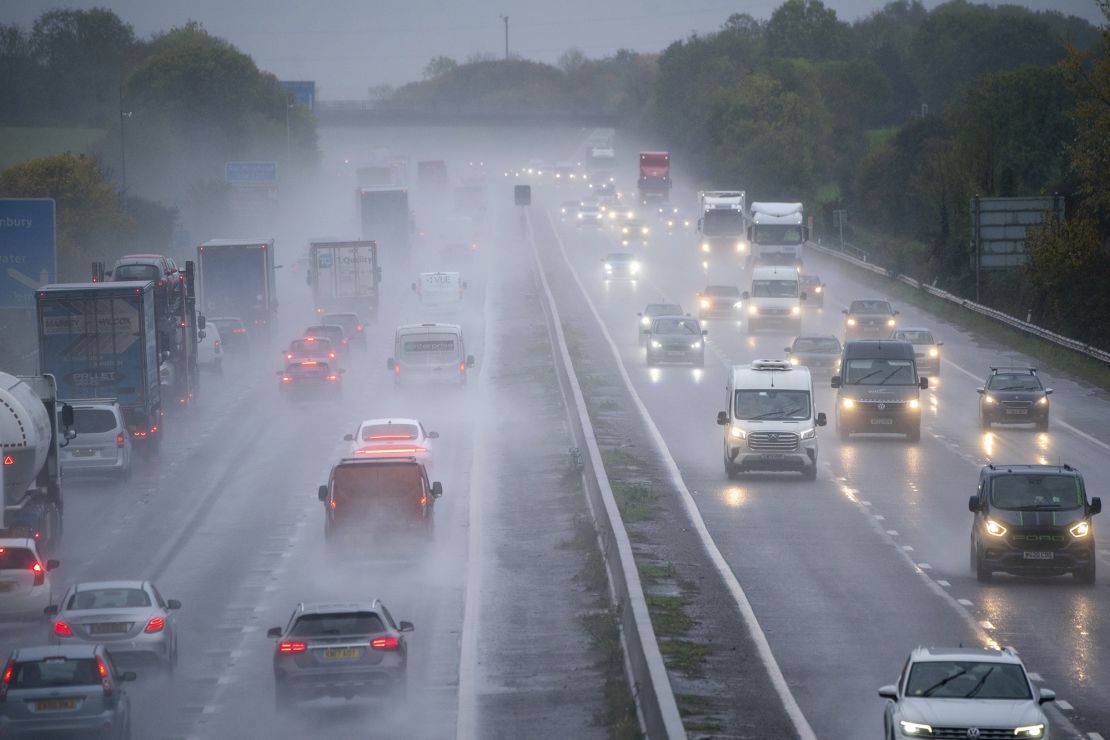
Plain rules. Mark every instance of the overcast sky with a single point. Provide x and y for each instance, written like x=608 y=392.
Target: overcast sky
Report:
x=347 y=46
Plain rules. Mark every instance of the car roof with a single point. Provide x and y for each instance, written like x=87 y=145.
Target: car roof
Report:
x=682 y=316
x=340 y=313
x=109 y=404
x=1005 y=655
x=721 y=288
x=89 y=585
x=399 y=460
x=333 y=607
x=70 y=650
x=390 y=420
x=869 y=300
x=430 y=327
x=223 y=318
x=619 y=255
x=328 y=327
x=913 y=328
x=1064 y=469
x=817 y=336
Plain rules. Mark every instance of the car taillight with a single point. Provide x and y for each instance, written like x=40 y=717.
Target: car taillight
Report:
x=6 y=680
x=216 y=344
x=61 y=629
x=333 y=377
x=238 y=330
x=385 y=643
x=462 y=367
x=105 y=679
x=119 y=441
x=287 y=646
x=40 y=574
x=156 y=624
x=358 y=328
x=286 y=378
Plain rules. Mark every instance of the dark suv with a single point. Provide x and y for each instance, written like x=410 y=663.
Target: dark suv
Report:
x=341 y=650
x=1033 y=520
x=376 y=498
x=1013 y=395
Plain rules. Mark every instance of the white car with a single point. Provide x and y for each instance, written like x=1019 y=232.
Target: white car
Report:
x=210 y=351
x=392 y=438
x=964 y=693
x=24 y=579
x=102 y=444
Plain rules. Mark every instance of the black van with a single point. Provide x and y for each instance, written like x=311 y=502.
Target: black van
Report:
x=878 y=389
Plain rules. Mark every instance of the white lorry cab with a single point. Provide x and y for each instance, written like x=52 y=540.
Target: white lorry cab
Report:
x=433 y=353
x=770 y=423
x=439 y=290
x=775 y=299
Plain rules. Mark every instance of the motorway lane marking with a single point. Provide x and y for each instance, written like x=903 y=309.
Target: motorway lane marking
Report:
x=942 y=582
x=763 y=646
x=964 y=602
x=1093 y=735
x=1067 y=707
x=907 y=548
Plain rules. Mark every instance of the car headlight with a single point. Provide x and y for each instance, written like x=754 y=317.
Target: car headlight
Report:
x=819 y=289
x=1029 y=731
x=793 y=360
x=695 y=345
x=915 y=729
x=655 y=344
x=809 y=433
x=851 y=322
x=847 y=404
x=933 y=352
x=890 y=322
x=580 y=215
x=753 y=310
x=994 y=528
x=705 y=246
x=1080 y=529
x=914 y=404
x=737 y=433
x=686 y=222
x=795 y=310
x=670 y=224
x=705 y=303
x=645 y=321
x=608 y=267
x=1042 y=401
x=645 y=231
x=635 y=267
x=988 y=399
x=741 y=247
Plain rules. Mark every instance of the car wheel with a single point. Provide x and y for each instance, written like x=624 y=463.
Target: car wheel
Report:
x=1086 y=575
x=983 y=573
x=914 y=434
x=1042 y=425
x=731 y=471
x=810 y=473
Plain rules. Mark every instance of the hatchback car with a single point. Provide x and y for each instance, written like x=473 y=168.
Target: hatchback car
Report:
x=102 y=444
x=334 y=332
x=869 y=319
x=340 y=650
x=964 y=693
x=64 y=691
x=311 y=348
x=1013 y=395
x=675 y=339
x=620 y=266
x=307 y=377
x=130 y=618
x=233 y=333
x=926 y=349
x=814 y=290
x=210 y=351
x=656 y=309
x=378 y=438
x=820 y=353
x=719 y=302
x=24 y=578
x=1033 y=520
x=353 y=327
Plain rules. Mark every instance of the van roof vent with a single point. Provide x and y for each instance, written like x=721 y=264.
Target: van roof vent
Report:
x=770 y=365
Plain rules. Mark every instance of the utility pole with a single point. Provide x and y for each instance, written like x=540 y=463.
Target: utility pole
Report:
x=505 y=18
x=288 y=135
x=122 y=144
x=841 y=215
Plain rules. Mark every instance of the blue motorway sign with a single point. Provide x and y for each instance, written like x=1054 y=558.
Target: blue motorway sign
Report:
x=250 y=173
x=28 y=259
x=302 y=91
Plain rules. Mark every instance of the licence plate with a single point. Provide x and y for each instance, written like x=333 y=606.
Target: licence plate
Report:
x=6 y=586
x=86 y=452
x=882 y=421
x=56 y=705
x=1017 y=412
x=773 y=456
x=108 y=628
x=342 y=653
x=1037 y=555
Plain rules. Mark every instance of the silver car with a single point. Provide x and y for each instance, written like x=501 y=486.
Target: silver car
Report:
x=339 y=649
x=102 y=444
x=130 y=618
x=64 y=691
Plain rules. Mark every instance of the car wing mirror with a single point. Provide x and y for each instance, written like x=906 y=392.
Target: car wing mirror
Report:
x=202 y=323
x=173 y=604
x=405 y=627
x=1048 y=391
x=1046 y=696
x=67 y=415
x=834 y=381
x=640 y=315
x=348 y=438
x=787 y=350
x=924 y=383
x=437 y=489
x=745 y=296
x=414 y=286
x=980 y=391
x=273 y=632
x=52 y=564
x=722 y=418
x=844 y=311
x=279 y=372
x=895 y=313
x=470 y=360
x=433 y=435
x=973 y=504
x=822 y=420
x=51 y=610
x=202 y=334
x=1095 y=507
x=322 y=493
x=128 y=676
x=889 y=692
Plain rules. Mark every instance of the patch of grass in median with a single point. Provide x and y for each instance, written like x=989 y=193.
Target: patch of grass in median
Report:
x=684 y=656
x=636 y=502
x=668 y=615
x=655 y=571
x=620 y=709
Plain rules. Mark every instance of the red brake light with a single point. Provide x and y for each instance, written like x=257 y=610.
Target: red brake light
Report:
x=286 y=646
x=101 y=668
x=119 y=441
x=105 y=681
x=331 y=504
x=358 y=328
x=40 y=574
x=289 y=355
x=333 y=377
x=385 y=643
x=286 y=378
x=309 y=363
x=61 y=629
x=8 y=460
x=7 y=680
x=156 y=624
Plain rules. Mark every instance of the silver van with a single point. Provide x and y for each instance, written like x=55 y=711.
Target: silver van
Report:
x=102 y=444
x=430 y=353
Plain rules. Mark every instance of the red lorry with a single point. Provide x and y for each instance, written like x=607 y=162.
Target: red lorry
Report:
x=655 y=176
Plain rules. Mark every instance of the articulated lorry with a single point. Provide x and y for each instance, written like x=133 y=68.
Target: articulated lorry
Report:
x=99 y=340
x=344 y=276
x=236 y=280
x=33 y=425
x=655 y=176
x=777 y=233
x=722 y=225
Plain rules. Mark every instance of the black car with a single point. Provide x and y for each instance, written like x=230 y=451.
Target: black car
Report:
x=869 y=319
x=1033 y=520
x=719 y=302
x=814 y=290
x=820 y=353
x=1013 y=395
x=675 y=339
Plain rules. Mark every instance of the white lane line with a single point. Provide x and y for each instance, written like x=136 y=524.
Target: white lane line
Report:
x=924 y=566
x=907 y=548
x=790 y=704
x=1092 y=735
x=986 y=624
x=964 y=602
x=892 y=532
x=944 y=583
x=1066 y=706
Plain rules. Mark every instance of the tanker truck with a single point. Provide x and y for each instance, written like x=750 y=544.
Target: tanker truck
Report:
x=30 y=415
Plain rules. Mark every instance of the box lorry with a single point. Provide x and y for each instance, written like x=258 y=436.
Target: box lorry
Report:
x=655 y=176
x=236 y=280
x=722 y=224
x=344 y=276
x=777 y=233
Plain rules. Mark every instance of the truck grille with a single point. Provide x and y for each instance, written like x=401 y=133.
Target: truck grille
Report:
x=1042 y=539
x=773 y=441
x=961 y=733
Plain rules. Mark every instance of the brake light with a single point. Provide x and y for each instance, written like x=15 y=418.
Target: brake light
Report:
x=423 y=500
x=61 y=629
x=40 y=574
x=216 y=344
x=309 y=363
x=331 y=355
x=289 y=355
x=238 y=330
x=396 y=369
x=331 y=504
x=156 y=624
x=333 y=377
x=390 y=436
x=105 y=680
x=358 y=327
x=286 y=378
x=119 y=441
x=385 y=643
x=7 y=680
x=286 y=646
x=462 y=367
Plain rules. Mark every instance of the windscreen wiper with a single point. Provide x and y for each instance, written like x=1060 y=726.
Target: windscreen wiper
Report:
x=939 y=684
x=979 y=684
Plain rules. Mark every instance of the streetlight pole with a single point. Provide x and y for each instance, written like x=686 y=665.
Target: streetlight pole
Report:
x=841 y=217
x=122 y=144
x=505 y=18
x=288 y=136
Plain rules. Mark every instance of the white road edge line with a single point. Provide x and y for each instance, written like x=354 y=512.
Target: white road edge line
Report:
x=790 y=704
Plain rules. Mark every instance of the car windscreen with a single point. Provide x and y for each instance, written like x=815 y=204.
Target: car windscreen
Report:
x=55 y=671
x=662 y=309
x=722 y=291
x=16 y=558
x=816 y=344
x=108 y=598
x=389 y=432
x=777 y=234
x=687 y=327
x=399 y=482
x=915 y=337
x=619 y=258
x=866 y=307
x=1024 y=382
x=429 y=348
x=775 y=288
x=310 y=346
x=137 y=272
x=752 y=405
x=93 y=421
x=1036 y=492
x=951 y=679
x=345 y=623
x=880 y=372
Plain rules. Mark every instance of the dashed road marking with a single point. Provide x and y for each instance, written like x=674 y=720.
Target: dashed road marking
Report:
x=892 y=532
x=907 y=548
x=964 y=602
x=1067 y=707
x=986 y=624
x=942 y=582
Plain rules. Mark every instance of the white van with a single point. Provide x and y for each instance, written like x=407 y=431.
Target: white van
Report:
x=439 y=290
x=429 y=353
x=770 y=423
x=775 y=299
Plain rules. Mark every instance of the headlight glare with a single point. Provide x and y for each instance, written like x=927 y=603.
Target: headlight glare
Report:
x=933 y=352
x=1042 y=401
x=795 y=310
x=635 y=267
x=753 y=310
x=987 y=399
x=994 y=528
x=851 y=322
x=655 y=344
x=705 y=246
x=645 y=321
x=914 y=404
x=847 y=403
x=705 y=303
x=1029 y=731
x=819 y=289
x=793 y=360
x=737 y=433
x=1080 y=529
x=890 y=322
x=915 y=729
x=695 y=345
